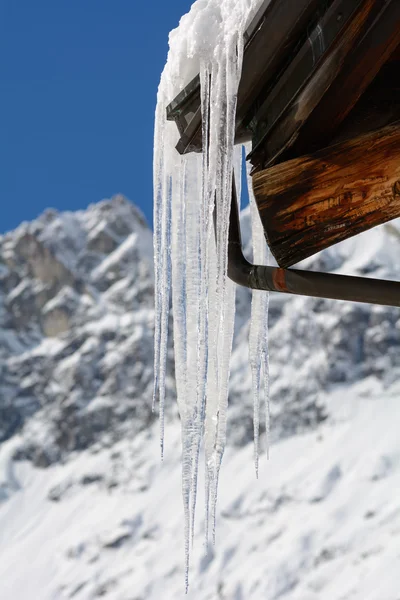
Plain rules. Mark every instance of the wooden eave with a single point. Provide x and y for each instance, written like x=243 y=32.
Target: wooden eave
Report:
x=306 y=65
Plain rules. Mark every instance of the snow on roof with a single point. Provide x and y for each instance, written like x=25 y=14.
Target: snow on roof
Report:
x=203 y=33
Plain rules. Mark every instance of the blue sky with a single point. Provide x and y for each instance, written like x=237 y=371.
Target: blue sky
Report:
x=78 y=84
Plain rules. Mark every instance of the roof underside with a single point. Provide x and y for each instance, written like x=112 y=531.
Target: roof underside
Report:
x=318 y=59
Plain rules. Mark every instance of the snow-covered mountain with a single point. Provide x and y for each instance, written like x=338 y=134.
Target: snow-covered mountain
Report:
x=87 y=510
x=76 y=302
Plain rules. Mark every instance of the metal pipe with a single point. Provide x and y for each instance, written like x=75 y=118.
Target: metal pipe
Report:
x=303 y=283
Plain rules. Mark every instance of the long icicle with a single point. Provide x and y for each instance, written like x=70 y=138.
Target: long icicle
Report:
x=203 y=297
x=258 y=335
x=207 y=201
x=225 y=293
x=166 y=294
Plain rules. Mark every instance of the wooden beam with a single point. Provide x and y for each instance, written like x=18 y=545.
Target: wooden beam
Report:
x=308 y=79
x=315 y=201
x=269 y=39
x=378 y=107
x=396 y=54
x=279 y=25
x=376 y=46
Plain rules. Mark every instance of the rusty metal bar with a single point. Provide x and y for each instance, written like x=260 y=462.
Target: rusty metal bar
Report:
x=303 y=283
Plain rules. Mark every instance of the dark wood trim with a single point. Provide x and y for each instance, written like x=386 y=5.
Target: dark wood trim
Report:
x=378 y=107
x=375 y=47
x=308 y=79
x=273 y=39
x=272 y=35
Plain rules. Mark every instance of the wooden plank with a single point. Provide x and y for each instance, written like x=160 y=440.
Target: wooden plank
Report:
x=313 y=202
x=378 y=107
x=301 y=89
x=191 y=137
x=275 y=35
x=271 y=35
x=296 y=115
x=375 y=48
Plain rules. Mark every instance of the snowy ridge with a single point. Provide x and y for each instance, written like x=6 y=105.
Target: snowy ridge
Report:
x=69 y=285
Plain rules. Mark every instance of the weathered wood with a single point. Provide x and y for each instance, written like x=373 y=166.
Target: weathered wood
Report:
x=396 y=54
x=305 y=283
x=279 y=24
x=306 y=82
x=376 y=46
x=272 y=35
x=313 y=202
x=378 y=107
x=302 y=86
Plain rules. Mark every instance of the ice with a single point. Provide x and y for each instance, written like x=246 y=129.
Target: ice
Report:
x=258 y=337
x=162 y=253
x=190 y=255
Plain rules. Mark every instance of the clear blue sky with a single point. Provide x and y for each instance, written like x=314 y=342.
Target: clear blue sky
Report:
x=78 y=84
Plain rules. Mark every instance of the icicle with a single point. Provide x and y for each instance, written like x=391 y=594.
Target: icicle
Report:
x=165 y=302
x=258 y=337
x=188 y=403
x=266 y=375
x=187 y=193
x=206 y=230
x=162 y=242
x=179 y=299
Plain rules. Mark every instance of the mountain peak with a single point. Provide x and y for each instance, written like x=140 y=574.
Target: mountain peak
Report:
x=72 y=278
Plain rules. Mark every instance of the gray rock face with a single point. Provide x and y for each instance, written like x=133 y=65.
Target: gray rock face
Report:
x=76 y=318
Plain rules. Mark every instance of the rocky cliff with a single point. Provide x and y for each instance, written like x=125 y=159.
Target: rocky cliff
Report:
x=76 y=318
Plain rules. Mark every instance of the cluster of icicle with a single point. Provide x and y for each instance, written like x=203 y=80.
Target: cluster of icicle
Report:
x=191 y=254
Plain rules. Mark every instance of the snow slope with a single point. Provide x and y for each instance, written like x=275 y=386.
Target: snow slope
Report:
x=322 y=521
x=87 y=510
